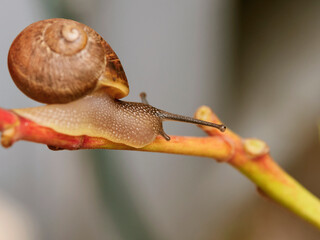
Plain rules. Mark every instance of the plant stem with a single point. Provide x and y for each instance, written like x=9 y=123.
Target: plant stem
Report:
x=279 y=186
x=249 y=156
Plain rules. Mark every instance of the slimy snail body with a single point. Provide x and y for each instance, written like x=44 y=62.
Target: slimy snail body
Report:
x=70 y=67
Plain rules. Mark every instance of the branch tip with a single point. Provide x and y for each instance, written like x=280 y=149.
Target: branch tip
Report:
x=255 y=147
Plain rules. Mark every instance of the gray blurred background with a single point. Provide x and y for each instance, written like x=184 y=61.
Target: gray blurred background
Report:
x=256 y=63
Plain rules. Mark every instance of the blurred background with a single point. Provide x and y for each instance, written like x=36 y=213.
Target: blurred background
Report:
x=256 y=63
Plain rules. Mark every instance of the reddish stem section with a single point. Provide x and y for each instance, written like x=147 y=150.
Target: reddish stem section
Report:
x=7 y=118
x=15 y=128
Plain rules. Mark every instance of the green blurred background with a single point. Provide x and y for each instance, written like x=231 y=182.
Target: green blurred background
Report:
x=256 y=63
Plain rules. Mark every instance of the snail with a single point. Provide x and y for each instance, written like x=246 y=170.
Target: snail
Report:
x=71 y=68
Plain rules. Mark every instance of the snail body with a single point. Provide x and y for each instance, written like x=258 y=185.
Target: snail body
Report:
x=96 y=115
x=70 y=67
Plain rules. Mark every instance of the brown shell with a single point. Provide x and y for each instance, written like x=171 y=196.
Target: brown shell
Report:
x=60 y=60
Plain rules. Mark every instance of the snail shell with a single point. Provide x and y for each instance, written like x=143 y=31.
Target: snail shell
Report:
x=61 y=60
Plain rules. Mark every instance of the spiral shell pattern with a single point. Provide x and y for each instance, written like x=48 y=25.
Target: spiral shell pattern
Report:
x=57 y=60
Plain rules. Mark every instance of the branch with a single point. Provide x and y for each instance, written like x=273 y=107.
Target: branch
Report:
x=249 y=156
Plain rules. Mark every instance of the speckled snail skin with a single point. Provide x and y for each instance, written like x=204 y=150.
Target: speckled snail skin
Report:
x=70 y=67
